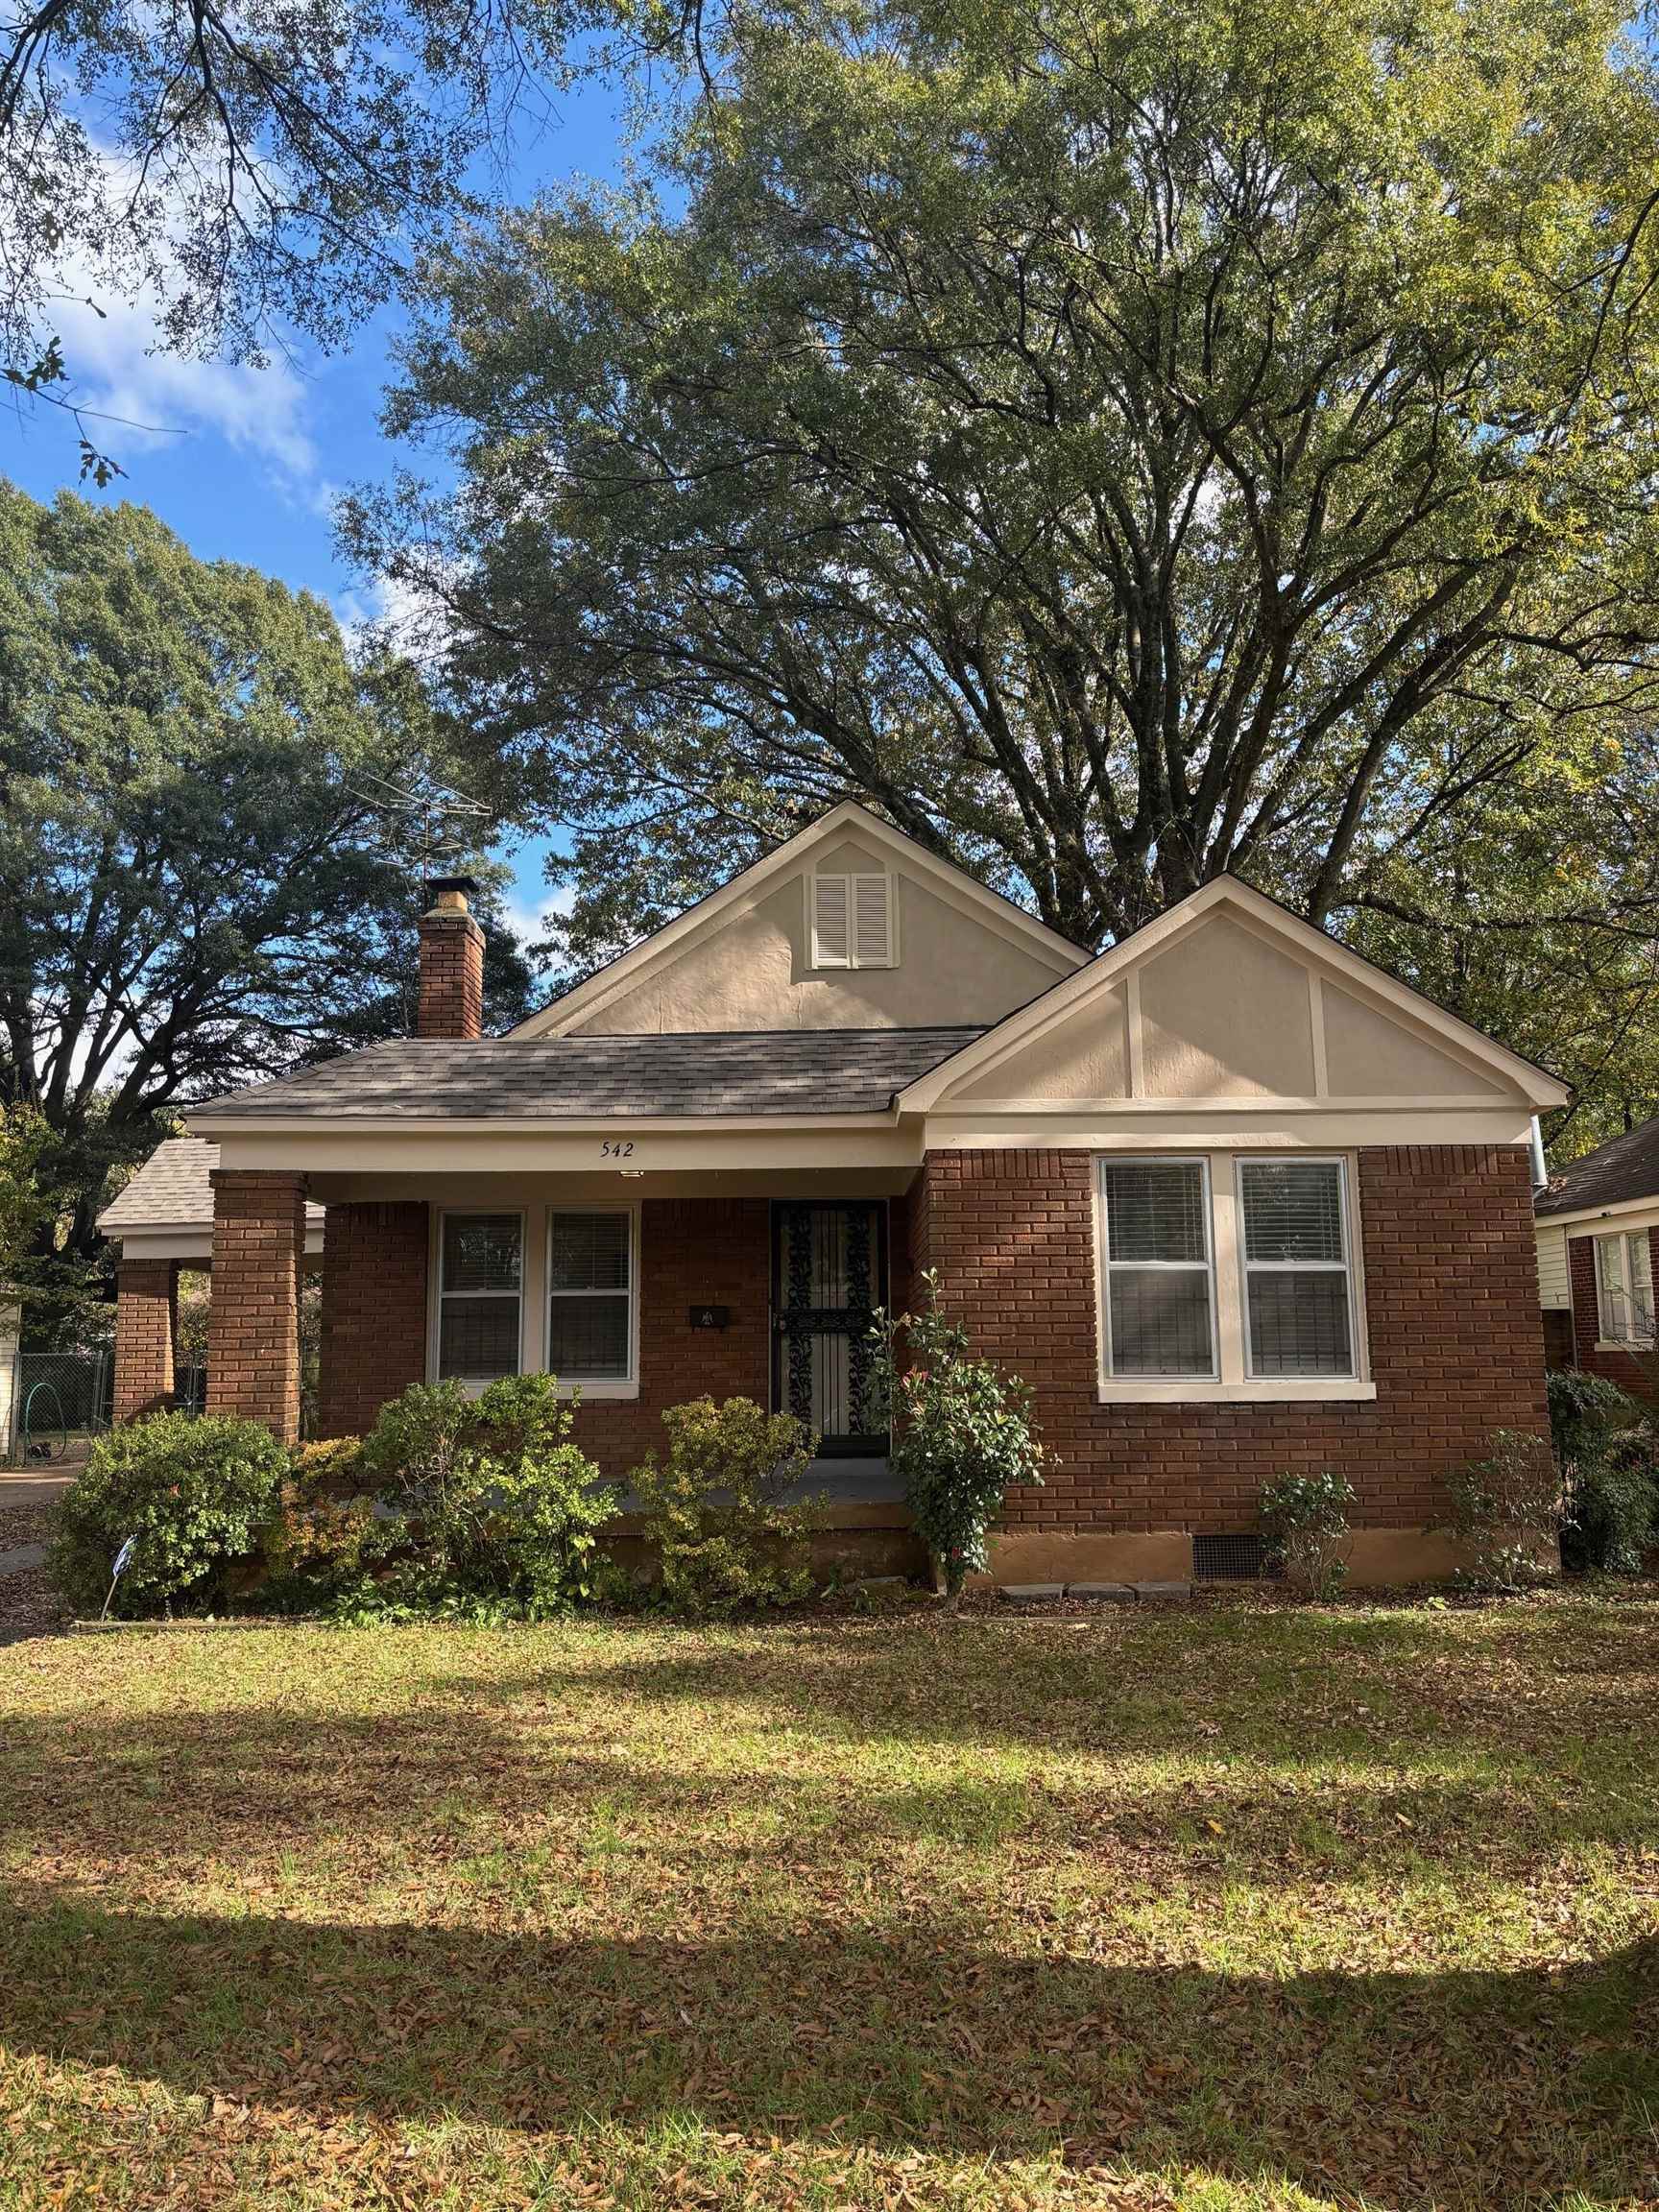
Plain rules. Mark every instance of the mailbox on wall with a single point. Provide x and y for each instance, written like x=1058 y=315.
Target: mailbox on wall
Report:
x=711 y=1316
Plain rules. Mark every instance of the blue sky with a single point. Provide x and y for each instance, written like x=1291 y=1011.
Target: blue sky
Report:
x=244 y=464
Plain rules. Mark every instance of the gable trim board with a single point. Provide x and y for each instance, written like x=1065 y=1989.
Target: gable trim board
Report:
x=1275 y=926
x=747 y=889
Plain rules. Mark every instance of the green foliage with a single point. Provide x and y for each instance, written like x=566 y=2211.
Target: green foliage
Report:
x=1586 y=1412
x=192 y=891
x=1614 y=1514
x=962 y=1435
x=192 y=1493
x=1304 y=1520
x=1606 y=1448
x=322 y=1536
x=1234 y=427
x=494 y=1512
x=1507 y=1511
x=715 y=1508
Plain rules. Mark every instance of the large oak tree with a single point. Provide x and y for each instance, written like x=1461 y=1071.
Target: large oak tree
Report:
x=1123 y=443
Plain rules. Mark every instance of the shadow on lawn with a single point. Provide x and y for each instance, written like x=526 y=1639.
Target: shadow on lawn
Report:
x=166 y=1795
x=1405 y=2088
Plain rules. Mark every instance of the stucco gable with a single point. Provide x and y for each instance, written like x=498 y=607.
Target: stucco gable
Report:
x=1228 y=998
x=744 y=959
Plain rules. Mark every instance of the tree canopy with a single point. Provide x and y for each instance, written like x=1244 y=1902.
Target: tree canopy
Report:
x=1124 y=444
x=200 y=881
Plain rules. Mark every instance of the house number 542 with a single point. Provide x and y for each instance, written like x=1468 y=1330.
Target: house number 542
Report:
x=616 y=1148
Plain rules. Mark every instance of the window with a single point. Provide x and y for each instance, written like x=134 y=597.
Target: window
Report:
x=851 y=920
x=1624 y=1288
x=591 y=1296
x=478 y=1295
x=1298 y=1316
x=1160 y=1303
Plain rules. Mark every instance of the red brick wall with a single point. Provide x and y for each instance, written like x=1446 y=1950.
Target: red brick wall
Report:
x=373 y=1340
x=452 y=1002
x=1452 y=1303
x=254 y=1323
x=1617 y=1366
x=692 y=1252
x=146 y=1327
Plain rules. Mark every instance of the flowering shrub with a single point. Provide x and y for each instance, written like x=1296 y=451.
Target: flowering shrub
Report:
x=715 y=1508
x=962 y=1435
x=190 y=1494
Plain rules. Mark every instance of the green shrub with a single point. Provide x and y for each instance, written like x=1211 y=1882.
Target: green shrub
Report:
x=961 y=1436
x=713 y=1508
x=1304 y=1520
x=493 y=1512
x=1614 y=1509
x=322 y=1535
x=1586 y=1411
x=1502 y=1505
x=191 y=1494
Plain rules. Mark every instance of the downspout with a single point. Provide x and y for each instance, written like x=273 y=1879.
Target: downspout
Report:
x=1540 y=1173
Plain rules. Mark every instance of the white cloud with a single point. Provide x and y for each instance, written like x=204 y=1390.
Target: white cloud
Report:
x=527 y=917
x=163 y=399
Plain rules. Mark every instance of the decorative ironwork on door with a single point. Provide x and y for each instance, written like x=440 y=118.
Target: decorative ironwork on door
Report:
x=829 y=1275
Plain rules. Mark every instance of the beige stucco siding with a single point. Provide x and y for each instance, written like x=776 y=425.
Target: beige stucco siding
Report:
x=1369 y=1055
x=1223 y=1014
x=1085 y=1057
x=753 y=970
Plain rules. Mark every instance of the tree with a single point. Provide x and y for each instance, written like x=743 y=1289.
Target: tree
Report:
x=200 y=881
x=252 y=173
x=1123 y=446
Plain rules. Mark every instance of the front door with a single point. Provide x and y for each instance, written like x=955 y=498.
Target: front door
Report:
x=829 y=1274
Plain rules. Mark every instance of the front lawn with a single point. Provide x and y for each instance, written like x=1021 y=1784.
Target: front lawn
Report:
x=1231 y=1907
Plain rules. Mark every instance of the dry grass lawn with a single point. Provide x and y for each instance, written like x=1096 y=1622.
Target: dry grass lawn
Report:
x=1226 y=1908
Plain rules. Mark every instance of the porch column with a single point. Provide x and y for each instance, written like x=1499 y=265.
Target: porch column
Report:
x=253 y=1327
x=146 y=1332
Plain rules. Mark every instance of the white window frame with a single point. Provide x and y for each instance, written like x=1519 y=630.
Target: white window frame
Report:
x=1343 y=1266
x=1231 y=1382
x=472 y=1384
x=593 y=1386
x=846 y=878
x=1106 y=1263
x=1620 y=1240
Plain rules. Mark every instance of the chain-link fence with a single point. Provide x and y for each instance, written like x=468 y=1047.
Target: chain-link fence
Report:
x=60 y=1401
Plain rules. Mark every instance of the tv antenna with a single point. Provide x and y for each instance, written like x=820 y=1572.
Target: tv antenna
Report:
x=442 y=824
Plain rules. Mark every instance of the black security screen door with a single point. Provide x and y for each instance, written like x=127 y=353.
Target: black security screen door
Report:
x=829 y=1274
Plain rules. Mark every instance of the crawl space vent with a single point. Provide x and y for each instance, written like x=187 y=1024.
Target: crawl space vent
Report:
x=1228 y=1559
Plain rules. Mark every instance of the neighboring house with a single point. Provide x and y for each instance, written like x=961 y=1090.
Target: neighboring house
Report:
x=11 y=1348
x=1596 y=1233
x=1232 y=1200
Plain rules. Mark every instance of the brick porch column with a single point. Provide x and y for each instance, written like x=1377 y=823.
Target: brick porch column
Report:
x=254 y=1326
x=146 y=1332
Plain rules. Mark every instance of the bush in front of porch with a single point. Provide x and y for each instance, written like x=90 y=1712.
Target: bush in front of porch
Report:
x=715 y=1509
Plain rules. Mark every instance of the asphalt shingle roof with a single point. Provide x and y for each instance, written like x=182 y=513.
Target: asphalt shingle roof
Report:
x=1623 y=1168
x=567 y=1078
x=171 y=1189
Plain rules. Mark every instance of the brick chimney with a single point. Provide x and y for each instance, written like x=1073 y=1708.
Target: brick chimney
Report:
x=451 y=963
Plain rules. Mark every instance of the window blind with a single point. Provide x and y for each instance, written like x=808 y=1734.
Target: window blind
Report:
x=1158 y=1275
x=1296 y=1267
x=479 y=1294
x=590 y=1297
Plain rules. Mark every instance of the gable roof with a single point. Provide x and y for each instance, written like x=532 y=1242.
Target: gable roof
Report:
x=953 y=883
x=729 y=1072
x=1622 y=1172
x=172 y=1191
x=1222 y=893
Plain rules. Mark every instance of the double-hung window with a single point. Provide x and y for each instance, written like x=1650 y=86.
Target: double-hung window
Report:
x=1298 y=1303
x=1160 y=1277
x=590 y=1289
x=1624 y=1288
x=480 y=1291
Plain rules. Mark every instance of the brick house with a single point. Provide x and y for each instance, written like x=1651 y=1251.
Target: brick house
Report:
x=1232 y=1200
x=1598 y=1238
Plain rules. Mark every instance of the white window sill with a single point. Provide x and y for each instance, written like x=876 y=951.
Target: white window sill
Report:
x=1624 y=1343
x=593 y=1390
x=1284 y=1391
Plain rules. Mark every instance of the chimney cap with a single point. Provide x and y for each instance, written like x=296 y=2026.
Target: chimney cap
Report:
x=449 y=894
